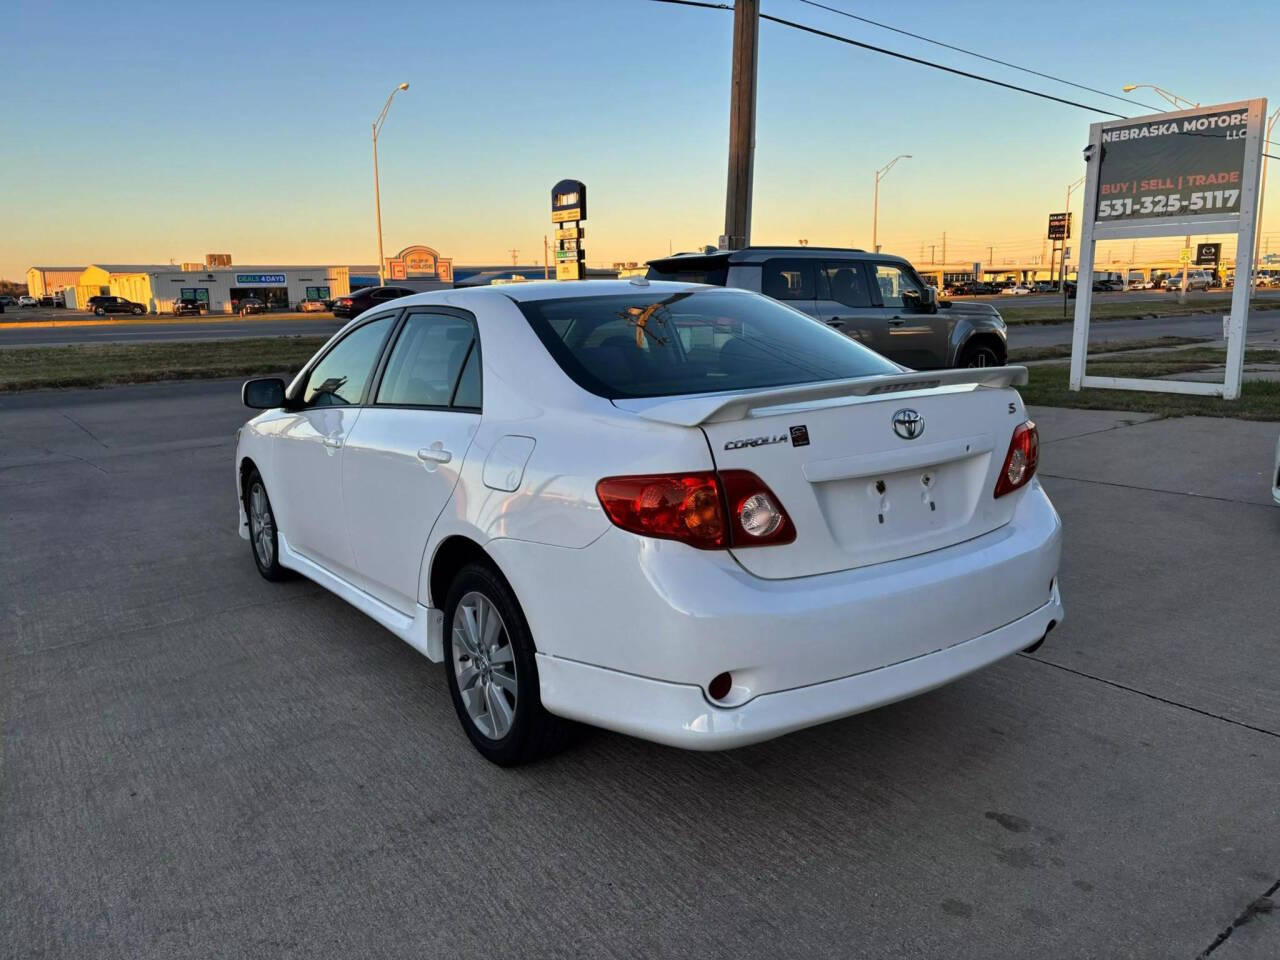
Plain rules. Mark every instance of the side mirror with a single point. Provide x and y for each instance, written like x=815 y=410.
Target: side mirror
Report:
x=925 y=302
x=266 y=393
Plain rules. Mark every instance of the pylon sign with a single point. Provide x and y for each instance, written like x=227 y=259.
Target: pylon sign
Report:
x=568 y=210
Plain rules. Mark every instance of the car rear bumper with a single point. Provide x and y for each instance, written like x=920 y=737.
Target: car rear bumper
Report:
x=630 y=615
x=680 y=715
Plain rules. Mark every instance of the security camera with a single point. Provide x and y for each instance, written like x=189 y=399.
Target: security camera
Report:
x=1088 y=152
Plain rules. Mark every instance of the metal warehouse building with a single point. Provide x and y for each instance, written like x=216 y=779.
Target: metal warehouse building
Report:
x=220 y=289
x=46 y=281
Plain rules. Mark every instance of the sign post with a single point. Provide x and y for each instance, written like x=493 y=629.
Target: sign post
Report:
x=1166 y=175
x=568 y=210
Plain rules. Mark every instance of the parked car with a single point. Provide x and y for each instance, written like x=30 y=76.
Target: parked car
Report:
x=103 y=304
x=8 y=300
x=1044 y=286
x=606 y=502
x=1196 y=280
x=186 y=306
x=312 y=305
x=877 y=299
x=250 y=305
x=1016 y=290
x=1108 y=285
x=364 y=299
x=26 y=301
x=1137 y=283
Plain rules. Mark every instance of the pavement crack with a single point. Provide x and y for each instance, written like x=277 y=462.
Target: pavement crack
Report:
x=1135 y=486
x=77 y=423
x=1264 y=904
x=1153 y=696
x=1124 y=425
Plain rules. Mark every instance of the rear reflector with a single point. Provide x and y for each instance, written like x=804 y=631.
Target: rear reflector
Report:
x=1021 y=460
x=705 y=509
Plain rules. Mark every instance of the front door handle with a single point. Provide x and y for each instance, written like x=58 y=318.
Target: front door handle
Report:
x=333 y=443
x=435 y=454
x=897 y=321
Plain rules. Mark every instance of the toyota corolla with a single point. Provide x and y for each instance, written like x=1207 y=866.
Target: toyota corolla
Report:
x=686 y=513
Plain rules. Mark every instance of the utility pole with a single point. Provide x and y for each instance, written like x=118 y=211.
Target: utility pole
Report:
x=546 y=259
x=742 y=125
x=514 y=253
x=944 y=246
x=931 y=249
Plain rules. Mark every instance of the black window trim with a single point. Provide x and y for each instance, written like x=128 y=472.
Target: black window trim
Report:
x=385 y=358
x=305 y=376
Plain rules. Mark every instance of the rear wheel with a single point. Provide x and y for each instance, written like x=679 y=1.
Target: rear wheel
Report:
x=492 y=674
x=137 y=311
x=979 y=355
x=99 y=311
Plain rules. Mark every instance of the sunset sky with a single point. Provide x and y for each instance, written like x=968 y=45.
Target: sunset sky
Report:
x=164 y=130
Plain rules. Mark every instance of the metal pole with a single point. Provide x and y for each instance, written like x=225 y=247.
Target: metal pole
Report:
x=742 y=125
x=1262 y=197
x=1186 y=264
x=875 y=215
x=377 y=202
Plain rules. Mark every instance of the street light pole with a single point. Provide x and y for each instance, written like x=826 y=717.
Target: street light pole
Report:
x=1062 y=263
x=377 y=189
x=1257 y=233
x=1179 y=103
x=875 y=203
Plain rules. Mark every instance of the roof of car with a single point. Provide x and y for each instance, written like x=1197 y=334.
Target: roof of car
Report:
x=551 y=290
x=761 y=254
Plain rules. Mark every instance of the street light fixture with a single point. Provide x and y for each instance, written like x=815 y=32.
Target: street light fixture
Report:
x=1179 y=103
x=377 y=190
x=875 y=204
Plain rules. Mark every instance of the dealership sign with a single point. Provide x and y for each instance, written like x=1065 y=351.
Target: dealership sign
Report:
x=1060 y=226
x=250 y=278
x=568 y=210
x=1172 y=174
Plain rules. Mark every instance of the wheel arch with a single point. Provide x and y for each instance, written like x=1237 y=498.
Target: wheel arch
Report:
x=982 y=338
x=450 y=555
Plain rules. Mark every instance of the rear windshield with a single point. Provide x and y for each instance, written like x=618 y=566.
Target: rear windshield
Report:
x=712 y=274
x=708 y=341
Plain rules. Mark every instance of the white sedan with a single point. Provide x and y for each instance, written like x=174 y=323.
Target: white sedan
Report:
x=686 y=513
x=1017 y=290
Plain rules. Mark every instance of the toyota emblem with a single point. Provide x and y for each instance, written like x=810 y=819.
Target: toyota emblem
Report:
x=908 y=424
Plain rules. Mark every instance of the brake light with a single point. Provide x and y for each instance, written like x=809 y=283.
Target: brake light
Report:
x=1021 y=460
x=704 y=509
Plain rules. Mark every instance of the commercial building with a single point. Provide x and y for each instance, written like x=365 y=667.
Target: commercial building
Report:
x=219 y=289
x=46 y=281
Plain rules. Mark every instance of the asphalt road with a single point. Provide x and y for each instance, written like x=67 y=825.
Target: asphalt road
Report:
x=1264 y=329
x=197 y=763
x=124 y=331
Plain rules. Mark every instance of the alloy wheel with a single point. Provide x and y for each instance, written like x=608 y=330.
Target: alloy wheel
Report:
x=484 y=665
x=262 y=525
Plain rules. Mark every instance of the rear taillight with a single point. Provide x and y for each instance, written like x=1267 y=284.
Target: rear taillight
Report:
x=1020 y=462
x=344 y=301
x=706 y=510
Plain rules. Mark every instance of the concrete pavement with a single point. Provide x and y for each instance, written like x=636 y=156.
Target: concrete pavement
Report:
x=198 y=763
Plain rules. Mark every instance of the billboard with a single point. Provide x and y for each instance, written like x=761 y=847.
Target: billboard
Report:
x=1184 y=167
x=1208 y=254
x=568 y=210
x=1060 y=226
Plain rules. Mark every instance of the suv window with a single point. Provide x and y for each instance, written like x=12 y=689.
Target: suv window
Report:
x=427 y=361
x=339 y=378
x=893 y=282
x=703 y=341
x=787 y=279
x=845 y=283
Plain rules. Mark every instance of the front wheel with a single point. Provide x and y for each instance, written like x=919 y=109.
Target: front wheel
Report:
x=492 y=674
x=137 y=311
x=262 y=529
x=99 y=312
x=979 y=355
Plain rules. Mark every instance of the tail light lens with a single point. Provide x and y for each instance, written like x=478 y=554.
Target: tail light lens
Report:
x=707 y=510
x=1021 y=460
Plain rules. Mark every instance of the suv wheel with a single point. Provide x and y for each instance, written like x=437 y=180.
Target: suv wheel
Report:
x=99 y=311
x=979 y=355
x=137 y=311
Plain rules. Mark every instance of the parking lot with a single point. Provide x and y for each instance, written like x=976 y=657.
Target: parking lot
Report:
x=198 y=763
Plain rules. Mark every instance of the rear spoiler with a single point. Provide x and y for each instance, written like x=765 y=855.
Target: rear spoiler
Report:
x=718 y=408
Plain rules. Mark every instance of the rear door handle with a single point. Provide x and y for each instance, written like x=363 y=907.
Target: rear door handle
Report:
x=435 y=454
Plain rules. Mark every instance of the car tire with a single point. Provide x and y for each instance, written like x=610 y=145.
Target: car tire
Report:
x=979 y=355
x=264 y=540
x=137 y=311
x=492 y=673
x=99 y=312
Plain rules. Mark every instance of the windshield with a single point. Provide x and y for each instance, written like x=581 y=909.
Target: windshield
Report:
x=705 y=341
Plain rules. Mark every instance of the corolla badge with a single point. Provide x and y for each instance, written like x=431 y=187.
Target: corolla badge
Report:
x=907 y=423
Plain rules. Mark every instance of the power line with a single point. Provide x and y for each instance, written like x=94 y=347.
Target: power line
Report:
x=980 y=56
x=900 y=56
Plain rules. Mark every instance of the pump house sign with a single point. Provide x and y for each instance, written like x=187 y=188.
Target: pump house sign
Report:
x=420 y=263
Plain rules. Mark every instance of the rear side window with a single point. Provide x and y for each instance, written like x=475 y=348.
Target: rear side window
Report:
x=427 y=362
x=340 y=377
x=846 y=283
x=788 y=279
x=708 y=341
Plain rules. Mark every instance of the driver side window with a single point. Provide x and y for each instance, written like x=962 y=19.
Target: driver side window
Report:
x=340 y=377
x=894 y=282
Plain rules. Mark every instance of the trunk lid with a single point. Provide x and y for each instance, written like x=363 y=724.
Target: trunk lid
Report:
x=858 y=491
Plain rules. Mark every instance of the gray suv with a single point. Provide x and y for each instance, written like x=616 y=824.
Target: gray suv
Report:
x=876 y=299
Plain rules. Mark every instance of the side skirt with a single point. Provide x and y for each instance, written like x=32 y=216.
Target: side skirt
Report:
x=424 y=631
